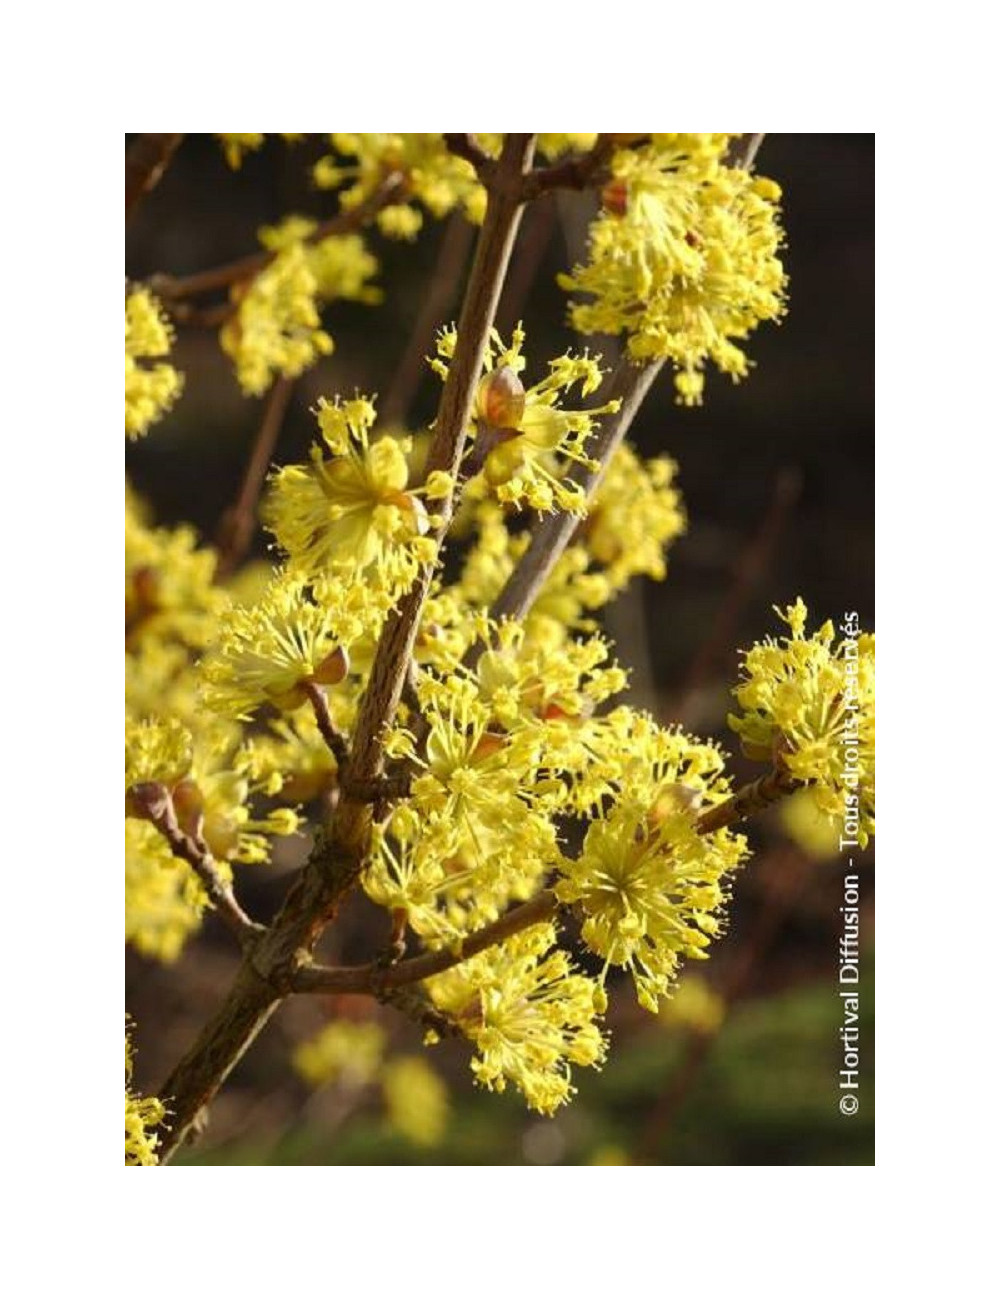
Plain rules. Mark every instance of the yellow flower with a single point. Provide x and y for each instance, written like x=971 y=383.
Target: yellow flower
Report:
x=636 y=514
x=354 y=513
x=684 y=258
x=649 y=887
x=525 y=439
x=530 y=1016
x=809 y=704
x=344 y=1051
x=170 y=593
x=276 y=327
x=432 y=175
x=235 y=146
x=150 y=391
x=142 y=1115
x=341 y=264
x=269 y=652
x=207 y=778
x=416 y=1100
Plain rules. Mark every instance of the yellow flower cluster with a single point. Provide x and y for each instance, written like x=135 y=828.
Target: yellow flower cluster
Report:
x=807 y=703
x=172 y=612
x=635 y=516
x=416 y=1100
x=169 y=590
x=345 y=1052
x=525 y=439
x=352 y=1055
x=529 y=1014
x=276 y=328
x=433 y=177
x=142 y=1115
x=210 y=788
x=683 y=258
x=341 y=264
x=150 y=391
x=632 y=521
x=350 y=513
x=649 y=886
x=269 y=652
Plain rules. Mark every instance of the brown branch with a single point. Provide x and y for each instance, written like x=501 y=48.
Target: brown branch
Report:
x=577 y=173
x=750 y=799
x=237 y=525
x=395 y=648
x=173 y=288
x=743 y=150
x=441 y=290
x=464 y=146
x=336 y=743
x=146 y=159
x=375 y=978
x=155 y=803
x=534 y=240
x=270 y=969
x=369 y=979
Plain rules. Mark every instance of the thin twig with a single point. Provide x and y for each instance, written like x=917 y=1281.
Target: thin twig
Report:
x=336 y=742
x=750 y=799
x=441 y=291
x=465 y=146
x=146 y=159
x=157 y=806
x=365 y=979
x=630 y=384
x=237 y=525
x=536 y=235
x=577 y=173
x=172 y=288
x=743 y=149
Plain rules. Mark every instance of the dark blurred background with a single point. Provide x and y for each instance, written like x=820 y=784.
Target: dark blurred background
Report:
x=777 y=479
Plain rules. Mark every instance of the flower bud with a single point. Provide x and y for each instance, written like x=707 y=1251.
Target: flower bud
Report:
x=672 y=799
x=500 y=399
x=146 y=800
x=490 y=743
x=146 y=587
x=413 y=506
x=334 y=668
x=503 y=463
x=614 y=197
x=221 y=834
x=189 y=805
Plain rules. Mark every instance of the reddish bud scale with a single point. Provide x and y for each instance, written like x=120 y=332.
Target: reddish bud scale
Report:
x=146 y=587
x=333 y=669
x=614 y=197
x=490 y=743
x=500 y=400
